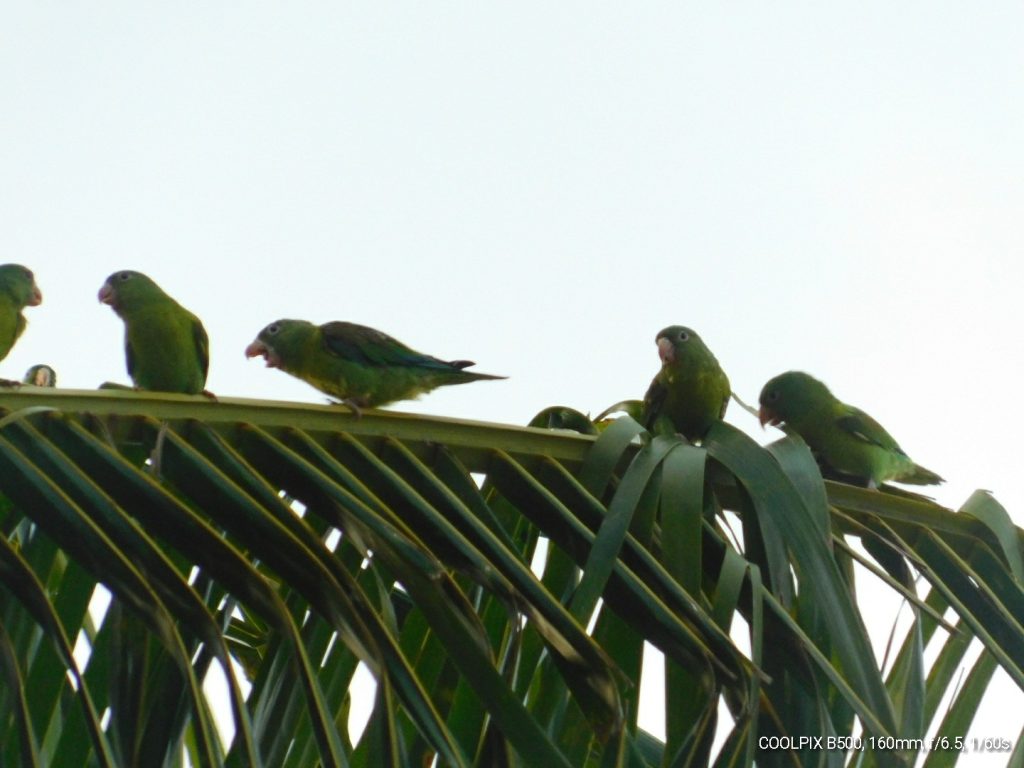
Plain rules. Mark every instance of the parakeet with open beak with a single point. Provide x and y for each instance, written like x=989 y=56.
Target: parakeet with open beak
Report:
x=166 y=347
x=691 y=391
x=846 y=441
x=40 y=376
x=18 y=290
x=360 y=366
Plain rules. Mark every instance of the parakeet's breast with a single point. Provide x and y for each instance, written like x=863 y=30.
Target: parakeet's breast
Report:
x=163 y=353
x=694 y=399
x=12 y=323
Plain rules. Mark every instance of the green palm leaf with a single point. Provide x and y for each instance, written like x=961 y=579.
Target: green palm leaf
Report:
x=503 y=585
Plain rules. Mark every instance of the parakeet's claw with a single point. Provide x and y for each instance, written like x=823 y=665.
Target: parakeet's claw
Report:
x=10 y=383
x=209 y=394
x=352 y=405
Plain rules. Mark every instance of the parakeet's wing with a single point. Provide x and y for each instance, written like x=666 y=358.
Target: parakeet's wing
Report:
x=653 y=402
x=865 y=428
x=202 y=342
x=129 y=357
x=368 y=346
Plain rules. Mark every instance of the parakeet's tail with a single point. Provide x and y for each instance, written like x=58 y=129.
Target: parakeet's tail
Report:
x=918 y=475
x=465 y=376
x=461 y=377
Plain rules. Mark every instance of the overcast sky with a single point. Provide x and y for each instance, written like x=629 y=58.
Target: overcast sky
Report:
x=834 y=188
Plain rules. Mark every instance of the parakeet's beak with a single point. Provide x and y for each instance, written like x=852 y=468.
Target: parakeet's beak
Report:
x=107 y=294
x=37 y=296
x=768 y=416
x=666 y=351
x=259 y=349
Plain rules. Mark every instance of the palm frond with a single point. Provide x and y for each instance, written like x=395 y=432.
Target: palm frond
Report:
x=502 y=584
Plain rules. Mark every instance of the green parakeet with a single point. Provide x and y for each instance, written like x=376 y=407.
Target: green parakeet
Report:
x=360 y=366
x=563 y=417
x=17 y=290
x=166 y=347
x=40 y=376
x=844 y=439
x=691 y=391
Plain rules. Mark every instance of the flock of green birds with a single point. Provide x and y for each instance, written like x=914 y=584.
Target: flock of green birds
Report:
x=167 y=350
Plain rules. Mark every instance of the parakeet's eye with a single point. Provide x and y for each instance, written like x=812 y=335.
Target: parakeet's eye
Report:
x=28 y=273
x=272 y=329
x=772 y=396
x=683 y=336
x=124 y=276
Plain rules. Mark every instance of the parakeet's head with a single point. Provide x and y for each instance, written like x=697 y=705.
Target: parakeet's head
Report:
x=277 y=339
x=789 y=396
x=677 y=342
x=562 y=417
x=19 y=283
x=126 y=290
x=41 y=376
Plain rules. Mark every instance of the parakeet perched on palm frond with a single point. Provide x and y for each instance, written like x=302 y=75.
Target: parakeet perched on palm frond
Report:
x=563 y=417
x=166 y=347
x=18 y=290
x=360 y=366
x=691 y=391
x=845 y=440
x=40 y=376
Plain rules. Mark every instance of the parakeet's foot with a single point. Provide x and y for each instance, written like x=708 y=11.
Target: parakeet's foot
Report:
x=11 y=383
x=352 y=405
x=209 y=394
x=115 y=385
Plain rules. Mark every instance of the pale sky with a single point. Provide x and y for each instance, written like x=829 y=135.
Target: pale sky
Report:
x=541 y=189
